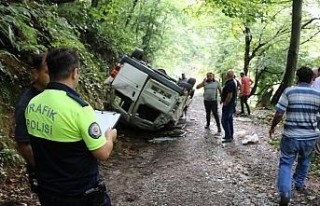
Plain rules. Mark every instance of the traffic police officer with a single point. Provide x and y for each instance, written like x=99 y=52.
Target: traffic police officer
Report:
x=66 y=138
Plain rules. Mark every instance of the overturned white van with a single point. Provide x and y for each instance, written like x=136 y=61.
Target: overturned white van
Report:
x=145 y=97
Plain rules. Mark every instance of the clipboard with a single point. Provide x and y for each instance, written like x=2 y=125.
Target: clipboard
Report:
x=107 y=119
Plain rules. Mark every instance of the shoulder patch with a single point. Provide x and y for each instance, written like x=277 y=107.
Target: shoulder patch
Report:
x=94 y=130
x=78 y=99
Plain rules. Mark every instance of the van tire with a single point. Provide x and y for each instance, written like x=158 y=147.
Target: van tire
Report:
x=137 y=54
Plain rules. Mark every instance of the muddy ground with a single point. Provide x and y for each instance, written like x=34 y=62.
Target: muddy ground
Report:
x=193 y=169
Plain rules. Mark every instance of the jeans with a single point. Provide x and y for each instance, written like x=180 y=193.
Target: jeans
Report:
x=244 y=101
x=227 y=120
x=290 y=148
x=212 y=106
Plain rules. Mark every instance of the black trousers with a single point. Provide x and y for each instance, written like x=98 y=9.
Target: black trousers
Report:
x=99 y=199
x=244 y=101
x=212 y=106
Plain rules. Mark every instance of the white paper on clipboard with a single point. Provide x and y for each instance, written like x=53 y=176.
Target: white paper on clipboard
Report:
x=107 y=119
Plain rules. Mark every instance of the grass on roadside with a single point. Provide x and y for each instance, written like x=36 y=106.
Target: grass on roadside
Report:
x=315 y=165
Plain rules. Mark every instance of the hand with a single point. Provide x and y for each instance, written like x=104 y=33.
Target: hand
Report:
x=204 y=80
x=111 y=133
x=271 y=131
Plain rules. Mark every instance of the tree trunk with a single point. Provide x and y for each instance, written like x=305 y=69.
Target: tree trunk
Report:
x=94 y=3
x=293 y=51
x=264 y=101
x=135 y=2
x=248 y=38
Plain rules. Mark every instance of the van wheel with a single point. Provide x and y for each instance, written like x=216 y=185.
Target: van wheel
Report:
x=191 y=81
x=137 y=54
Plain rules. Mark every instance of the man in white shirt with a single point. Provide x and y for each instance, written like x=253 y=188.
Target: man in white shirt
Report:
x=316 y=85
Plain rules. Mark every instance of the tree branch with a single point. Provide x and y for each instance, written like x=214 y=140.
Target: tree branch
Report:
x=311 y=37
x=303 y=26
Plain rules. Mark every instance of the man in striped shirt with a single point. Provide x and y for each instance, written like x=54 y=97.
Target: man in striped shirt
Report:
x=301 y=105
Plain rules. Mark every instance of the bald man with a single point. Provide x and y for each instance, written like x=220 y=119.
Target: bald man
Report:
x=228 y=99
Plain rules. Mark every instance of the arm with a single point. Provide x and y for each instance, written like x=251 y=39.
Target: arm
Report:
x=241 y=90
x=276 y=119
x=25 y=149
x=21 y=135
x=228 y=99
x=219 y=89
x=201 y=84
x=104 y=152
x=99 y=144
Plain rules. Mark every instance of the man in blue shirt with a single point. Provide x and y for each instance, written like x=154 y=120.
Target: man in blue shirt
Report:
x=301 y=105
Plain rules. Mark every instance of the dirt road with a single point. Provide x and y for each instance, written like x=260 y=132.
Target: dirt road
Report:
x=197 y=169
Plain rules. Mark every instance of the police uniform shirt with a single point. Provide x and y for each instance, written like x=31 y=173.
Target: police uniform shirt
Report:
x=21 y=132
x=64 y=131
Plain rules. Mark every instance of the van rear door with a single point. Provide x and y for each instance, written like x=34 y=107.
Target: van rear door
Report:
x=129 y=81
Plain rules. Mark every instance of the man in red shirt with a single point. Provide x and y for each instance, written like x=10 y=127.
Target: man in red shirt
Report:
x=245 y=92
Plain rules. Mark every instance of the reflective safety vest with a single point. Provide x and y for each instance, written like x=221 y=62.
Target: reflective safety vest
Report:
x=64 y=131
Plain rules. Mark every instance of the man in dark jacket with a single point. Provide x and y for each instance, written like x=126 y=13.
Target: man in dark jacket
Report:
x=228 y=99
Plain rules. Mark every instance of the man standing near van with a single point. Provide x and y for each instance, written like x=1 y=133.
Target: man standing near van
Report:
x=210 y=94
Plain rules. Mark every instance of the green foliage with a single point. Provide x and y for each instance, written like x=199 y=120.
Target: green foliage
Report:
x=247 y=11
x=16 y=27
x=315 y=165
x=9 y=157
x=275 y=142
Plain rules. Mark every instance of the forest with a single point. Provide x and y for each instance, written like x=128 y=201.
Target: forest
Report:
x=267 y=39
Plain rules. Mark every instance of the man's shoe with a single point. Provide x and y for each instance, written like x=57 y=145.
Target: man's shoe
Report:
x=219 y=130
x=300 y=189
x=284 y=201
x=227 y=140
x=207 y=127
x=217 y=134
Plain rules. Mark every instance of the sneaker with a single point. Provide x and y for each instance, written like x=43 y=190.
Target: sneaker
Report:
x=207 y=127
x=284 y=201
x=226 y=140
